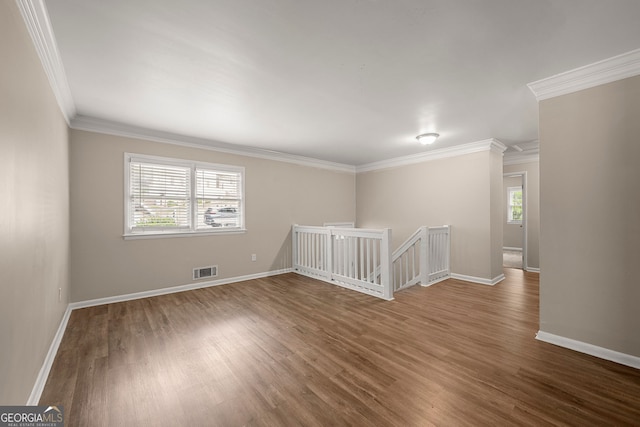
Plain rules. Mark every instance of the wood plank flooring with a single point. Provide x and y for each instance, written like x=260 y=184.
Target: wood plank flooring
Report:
x=288 y=350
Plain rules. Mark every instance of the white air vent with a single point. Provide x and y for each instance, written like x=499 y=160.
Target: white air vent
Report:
x=204 y=272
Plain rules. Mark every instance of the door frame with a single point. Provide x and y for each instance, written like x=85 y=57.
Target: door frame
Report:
x=525 y=216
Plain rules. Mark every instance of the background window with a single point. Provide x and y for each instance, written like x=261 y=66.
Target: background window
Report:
x=219 y=198
x=175 y=196
x=514 y=207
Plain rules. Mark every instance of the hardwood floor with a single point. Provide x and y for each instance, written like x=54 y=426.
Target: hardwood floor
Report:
x=288 y=350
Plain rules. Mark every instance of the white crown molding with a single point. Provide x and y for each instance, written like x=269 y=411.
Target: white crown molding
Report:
x=520 y=158
x=457 y=150
x=36 y=18
x=496 y=146
x=590 y=349
x=93 y=124
x=605 y=71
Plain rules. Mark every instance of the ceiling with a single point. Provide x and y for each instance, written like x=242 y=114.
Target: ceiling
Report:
x=347 y=81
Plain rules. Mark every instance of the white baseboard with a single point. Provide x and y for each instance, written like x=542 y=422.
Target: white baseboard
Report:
x=41 y=379
x=507 y=248
x=590 y=349
x=480 y=280
x=174 y=289
x=442 y=279
x=532 y=269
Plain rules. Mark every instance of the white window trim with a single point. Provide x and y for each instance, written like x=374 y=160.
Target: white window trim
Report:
x=509 y=190
x=192 y=164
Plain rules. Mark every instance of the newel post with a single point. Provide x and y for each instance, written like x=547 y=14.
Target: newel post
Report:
x=424 y=256
x=385 y=264
x=294 y=247
x=448 y=251
x=329 y=253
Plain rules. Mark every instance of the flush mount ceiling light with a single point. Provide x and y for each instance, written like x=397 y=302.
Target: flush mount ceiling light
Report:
x=427 y=138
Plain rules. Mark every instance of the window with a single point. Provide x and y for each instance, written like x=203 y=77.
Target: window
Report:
x=171 y=196
x=514 y=207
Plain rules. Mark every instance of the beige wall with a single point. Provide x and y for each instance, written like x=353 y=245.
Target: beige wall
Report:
x=496 y=230
x=533 y=209
x=34 y=218
x=513 y=235
x=455 y=191
x=590 y=211
x=277 y=194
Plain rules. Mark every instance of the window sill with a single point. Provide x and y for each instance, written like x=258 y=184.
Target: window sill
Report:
x=137 y=236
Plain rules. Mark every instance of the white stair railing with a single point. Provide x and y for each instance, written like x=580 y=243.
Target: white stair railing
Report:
x=354 y=258
x=409 y=261
x=423 y=258
x=361 y=260
x=439 y=262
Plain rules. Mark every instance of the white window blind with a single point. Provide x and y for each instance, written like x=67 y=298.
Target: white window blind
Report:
x=159 y=196
x=165 y=196
x=219 y=198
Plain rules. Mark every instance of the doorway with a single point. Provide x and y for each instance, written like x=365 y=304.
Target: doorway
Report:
x=514 y=245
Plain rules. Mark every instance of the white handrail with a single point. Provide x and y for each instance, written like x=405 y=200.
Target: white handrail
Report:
x=417 y=235
x=423 y=258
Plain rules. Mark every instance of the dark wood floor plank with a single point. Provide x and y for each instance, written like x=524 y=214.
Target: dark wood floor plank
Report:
x=290 y=351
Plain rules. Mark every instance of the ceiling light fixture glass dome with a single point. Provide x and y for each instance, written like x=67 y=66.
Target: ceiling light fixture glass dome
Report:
x=427 y=138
